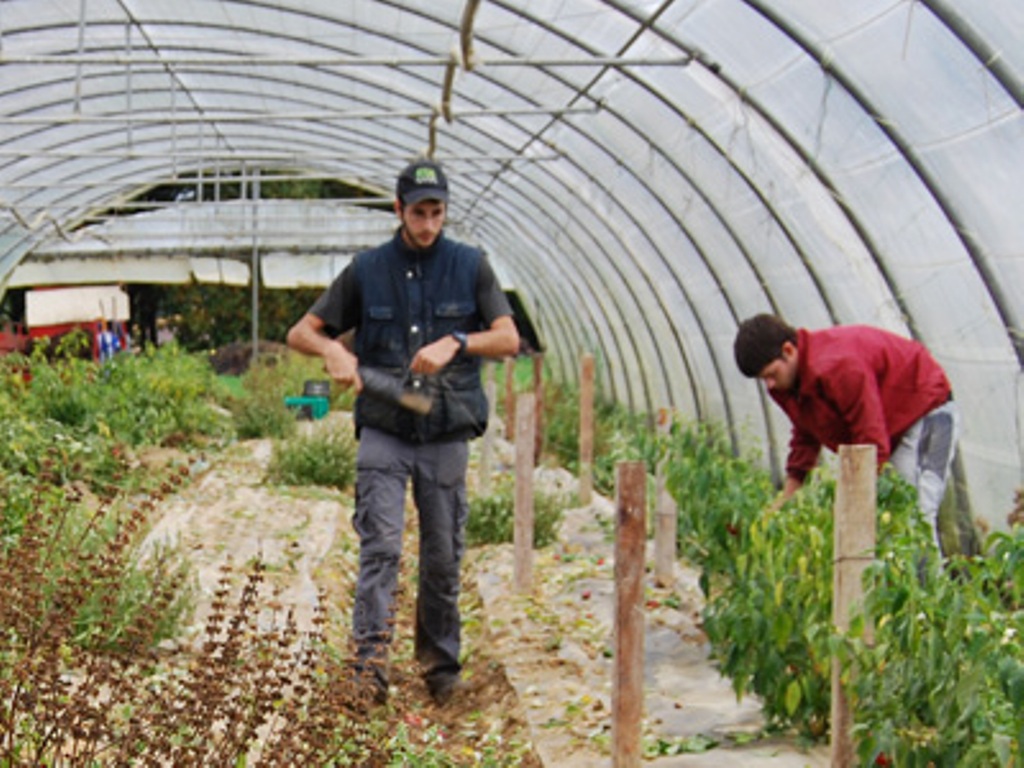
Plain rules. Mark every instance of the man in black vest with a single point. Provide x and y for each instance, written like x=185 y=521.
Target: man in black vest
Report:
x=424 y=309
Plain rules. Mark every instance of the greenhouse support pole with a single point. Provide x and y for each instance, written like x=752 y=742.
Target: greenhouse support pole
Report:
x=854 y=537
x=630 y=553
x=586 y=480
x=523 y=530
x=255 y=189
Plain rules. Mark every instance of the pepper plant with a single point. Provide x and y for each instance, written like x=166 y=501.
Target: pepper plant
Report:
x=941 y=684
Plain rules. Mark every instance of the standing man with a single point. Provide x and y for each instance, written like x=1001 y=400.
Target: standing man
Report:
x=425 y=309
x=857 y=385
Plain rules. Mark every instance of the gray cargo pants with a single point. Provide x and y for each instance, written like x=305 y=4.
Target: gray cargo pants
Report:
x=924 y=457
x=385 y=464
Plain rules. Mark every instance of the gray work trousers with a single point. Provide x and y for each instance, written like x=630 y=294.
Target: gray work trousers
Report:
x=385 y=464
x=924 y=457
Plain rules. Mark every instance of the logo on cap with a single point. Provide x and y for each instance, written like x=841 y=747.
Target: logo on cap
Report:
x=426 y=176
x=422 y=180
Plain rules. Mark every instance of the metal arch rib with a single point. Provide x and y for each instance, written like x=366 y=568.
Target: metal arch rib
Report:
x=983 y=52
x=1002 y=304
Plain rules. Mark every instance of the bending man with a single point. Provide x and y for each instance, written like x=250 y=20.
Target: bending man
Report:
x=857 y=385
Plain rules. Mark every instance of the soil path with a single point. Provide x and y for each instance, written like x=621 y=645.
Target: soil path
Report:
x=539 y=664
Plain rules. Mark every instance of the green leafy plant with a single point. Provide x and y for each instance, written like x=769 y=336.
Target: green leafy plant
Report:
x=324 y=455
x=260 y=411
x=769 y=614
x=85 y=420
x=160 y=396
x=769 y=618
x=163 y=395
x=262 y=416
x=942 y=681
x=719 y=495
x=492 y=517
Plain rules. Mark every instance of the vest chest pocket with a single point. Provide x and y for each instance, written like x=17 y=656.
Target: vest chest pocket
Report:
x=453 y=309
x=381 y=332
x=454 y=316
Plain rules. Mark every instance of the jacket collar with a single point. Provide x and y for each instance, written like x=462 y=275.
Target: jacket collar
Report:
x=415 y=253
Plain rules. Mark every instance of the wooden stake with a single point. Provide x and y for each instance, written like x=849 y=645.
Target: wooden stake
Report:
x=666 y=525
x=510 y=397
x=630 y=544
x=586 y=479
x=487 y=448
x=854 y=536
x=538 y=391
x=523 y=529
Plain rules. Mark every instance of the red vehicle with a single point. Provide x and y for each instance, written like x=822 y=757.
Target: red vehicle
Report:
x=101 y=310
x=13 y=338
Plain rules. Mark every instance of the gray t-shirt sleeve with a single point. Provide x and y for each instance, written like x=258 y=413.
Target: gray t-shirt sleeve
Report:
x=338 y=305
x=491 y=300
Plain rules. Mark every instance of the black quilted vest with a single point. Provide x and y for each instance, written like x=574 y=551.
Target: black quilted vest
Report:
x=409 y=299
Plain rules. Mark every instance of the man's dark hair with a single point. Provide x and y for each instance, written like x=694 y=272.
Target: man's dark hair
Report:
x=759 y=340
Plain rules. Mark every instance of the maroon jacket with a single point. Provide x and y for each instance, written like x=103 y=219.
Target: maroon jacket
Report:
x=857 y=385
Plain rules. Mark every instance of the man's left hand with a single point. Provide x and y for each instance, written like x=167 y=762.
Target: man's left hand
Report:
x=435 y=356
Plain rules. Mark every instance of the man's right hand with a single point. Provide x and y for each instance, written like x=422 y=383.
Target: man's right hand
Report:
x=307 y=336
x=789 y=487
x=776 y=504
x=342 y=366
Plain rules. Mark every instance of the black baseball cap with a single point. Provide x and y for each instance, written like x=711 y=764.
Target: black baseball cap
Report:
x=422 y=180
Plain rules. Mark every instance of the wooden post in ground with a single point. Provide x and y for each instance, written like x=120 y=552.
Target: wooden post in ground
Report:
x=538 y=405
x=523 y=529
x=666 y=513
x=854 y=536
x=487 y=446
x=510 y=398
x=630 y=548
x=586 y=479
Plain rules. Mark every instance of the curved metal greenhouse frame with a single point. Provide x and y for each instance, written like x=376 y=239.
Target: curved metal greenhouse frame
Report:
x=644 y=173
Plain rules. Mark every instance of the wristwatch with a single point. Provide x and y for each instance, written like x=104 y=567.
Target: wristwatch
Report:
x=463 y=340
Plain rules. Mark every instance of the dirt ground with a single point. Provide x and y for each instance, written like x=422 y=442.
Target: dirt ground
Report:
x=538 y=664
x=229 y=515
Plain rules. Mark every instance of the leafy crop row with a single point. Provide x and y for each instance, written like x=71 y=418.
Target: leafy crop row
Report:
x=84 y=677
x=942 y=682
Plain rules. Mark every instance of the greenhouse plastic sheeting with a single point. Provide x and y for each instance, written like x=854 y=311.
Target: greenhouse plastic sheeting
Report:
x=644 y=175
